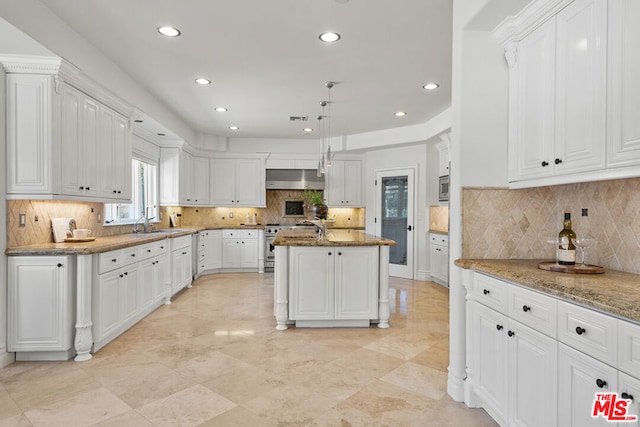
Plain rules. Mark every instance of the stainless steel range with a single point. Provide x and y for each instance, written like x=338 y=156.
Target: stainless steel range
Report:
x=270 y=231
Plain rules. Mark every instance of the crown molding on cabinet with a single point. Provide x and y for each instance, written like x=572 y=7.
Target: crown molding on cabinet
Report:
x=514 y=28
x=30 y=64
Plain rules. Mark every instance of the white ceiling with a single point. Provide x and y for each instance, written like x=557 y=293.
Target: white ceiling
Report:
x=266 y=63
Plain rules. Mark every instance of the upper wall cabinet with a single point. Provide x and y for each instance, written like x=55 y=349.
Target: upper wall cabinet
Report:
x=238 y=182
x=566 y=114
x=62 y=143
x=344 y=184
x=184 y=179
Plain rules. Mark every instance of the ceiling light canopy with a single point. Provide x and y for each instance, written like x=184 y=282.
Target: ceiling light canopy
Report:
x=221 y=109
x=169 y=31
x=329 y=37
x=203 y=81
x=431 y=86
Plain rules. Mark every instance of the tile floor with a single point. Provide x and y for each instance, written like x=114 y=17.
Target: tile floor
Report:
x=213 y=358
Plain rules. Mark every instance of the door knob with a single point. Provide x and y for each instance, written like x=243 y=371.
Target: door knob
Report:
x=409 y=228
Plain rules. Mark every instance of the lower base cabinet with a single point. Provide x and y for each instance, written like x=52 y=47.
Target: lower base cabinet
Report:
x=181 y=263
x=41 y=309
x=240 y=249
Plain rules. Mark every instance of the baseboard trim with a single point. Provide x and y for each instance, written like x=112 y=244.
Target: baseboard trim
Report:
x=423 y=276
x=7 y=359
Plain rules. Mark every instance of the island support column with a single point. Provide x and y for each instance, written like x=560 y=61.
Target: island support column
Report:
x=281 y=288
x=383 y=296
x=84 y=336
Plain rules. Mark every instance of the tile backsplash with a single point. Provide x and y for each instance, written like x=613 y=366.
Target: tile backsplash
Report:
x=503 y=223
x=38 y=215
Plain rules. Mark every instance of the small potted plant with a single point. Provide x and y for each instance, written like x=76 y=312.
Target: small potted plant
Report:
x=315 y=197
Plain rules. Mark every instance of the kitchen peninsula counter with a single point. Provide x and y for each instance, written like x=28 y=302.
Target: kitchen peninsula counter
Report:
x=614 y=292
x=337 y=280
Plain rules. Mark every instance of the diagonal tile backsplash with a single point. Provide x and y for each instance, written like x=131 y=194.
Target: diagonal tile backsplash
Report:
x=503 y=223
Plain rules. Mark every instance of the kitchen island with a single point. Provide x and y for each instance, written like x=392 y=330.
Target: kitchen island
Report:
x=340 y=279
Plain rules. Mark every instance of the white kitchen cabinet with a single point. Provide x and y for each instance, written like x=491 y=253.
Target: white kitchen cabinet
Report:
x=443 y=155
x=209 y=250
x=344 y=183
x=152 y=289
x=56 y=143
x=41 y=312
x=557 y=93
x=580 y=377
x=240 y=249
x=623 y=139
x=200 y=181
x=439 y=244
x=181 y=253
x=629 y=388
x=333 y=283
x=184 y=179
x=514 y=369
x=238 y=182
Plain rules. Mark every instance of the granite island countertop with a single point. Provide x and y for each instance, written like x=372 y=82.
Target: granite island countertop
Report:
x=334 y=237
x=614 y=292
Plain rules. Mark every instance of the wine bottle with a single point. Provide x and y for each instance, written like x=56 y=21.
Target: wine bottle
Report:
x=566 y=237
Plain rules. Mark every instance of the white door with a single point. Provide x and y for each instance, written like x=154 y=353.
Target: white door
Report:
x=394 y=217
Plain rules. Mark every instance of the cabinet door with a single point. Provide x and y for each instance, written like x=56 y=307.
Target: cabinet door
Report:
x=357 y=282
x=71 y=140
x=231 y=253
x=436 y=264
x=186 y=179
x=148 y=278
x=108 y=304
x=120 y=178
x=214 y=249
x=353 y=183
x=532 y=376
x=311 y=279
x=623 y=139
x=90 y=172
x=489 y=355
x=250 y=182
x=107 y=153
x=334 y=184
x=29 y=142
x=40 y=303
x=581 y=70
x=129 y=283
x=532 y=82
x=629 y=388
x=579 y=379
x=200 y=180
x=223 y=185
x=249 y=253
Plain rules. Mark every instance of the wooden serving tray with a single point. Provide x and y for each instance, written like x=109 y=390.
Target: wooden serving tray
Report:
x=79 y=239
x=574 y=269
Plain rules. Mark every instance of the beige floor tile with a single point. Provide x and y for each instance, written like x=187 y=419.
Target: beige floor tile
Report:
x=189 y=407
x=241 y=385
x=209 y=365
x=8 y=407
x=423 y=380
x=126 y=419
x=81 y=410
x=448 y=413
x=370 y=362
x=15 y=421
x=239 y=417
x=436 y=356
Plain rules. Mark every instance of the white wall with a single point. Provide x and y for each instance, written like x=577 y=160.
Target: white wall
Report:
x=5 y=358
x=15 y=42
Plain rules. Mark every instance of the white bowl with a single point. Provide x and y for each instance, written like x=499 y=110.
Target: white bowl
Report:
x=80 y=233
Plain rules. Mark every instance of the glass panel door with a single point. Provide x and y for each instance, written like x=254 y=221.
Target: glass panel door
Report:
x=394 y=216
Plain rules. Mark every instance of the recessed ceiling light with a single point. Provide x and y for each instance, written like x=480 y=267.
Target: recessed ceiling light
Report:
x=307 y=130
x=203 y=81
x=329 y=37
x=221 y=109
x=234 y=128
x=162 y=134
x=431 y=86
x=169 y=31
x=400 y=114
x=139 y=121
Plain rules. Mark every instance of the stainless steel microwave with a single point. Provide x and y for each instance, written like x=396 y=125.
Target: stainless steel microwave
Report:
x=443 y=193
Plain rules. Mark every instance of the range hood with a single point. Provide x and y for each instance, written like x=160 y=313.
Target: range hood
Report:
x=294 y=179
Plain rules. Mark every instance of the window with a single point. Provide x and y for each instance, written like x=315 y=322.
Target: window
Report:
x=144 y=193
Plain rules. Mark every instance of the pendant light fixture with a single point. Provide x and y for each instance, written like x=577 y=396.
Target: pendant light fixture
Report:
x=320 y=169
x=329 y=86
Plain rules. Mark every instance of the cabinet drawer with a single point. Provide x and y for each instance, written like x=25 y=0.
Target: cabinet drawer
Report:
x=534 y=310
x=231 y=234
x=439 y=239
x=130 y=255
x=180 y=242
x=588 y=331
x=111 y=260
x=249 y=234
x=491 y=292
x=152 y=249
x=629 y=348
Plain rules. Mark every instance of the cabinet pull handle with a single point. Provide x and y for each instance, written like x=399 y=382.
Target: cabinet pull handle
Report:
x=148 y=250
x=161 y=247
x=82 y=187
x=626 y=395
x=486 y=291
x=184 y=253
x=580 y=330
x=88 y=188
x=600 y=383
x=340 y=253
x=126 y=274
x=119 y=192
x=544 y=164
x=329 y=253
x=121 y=275
x=511 y=333
x=59 y=265
x=115 y=192
x=114 y=260
x=499 y=327
x=557 y=161
x=526 y=308
x=133 y=255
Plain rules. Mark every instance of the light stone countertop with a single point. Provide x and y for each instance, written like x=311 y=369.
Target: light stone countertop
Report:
x=110 y=243
x=614 y=292
x=334 y=237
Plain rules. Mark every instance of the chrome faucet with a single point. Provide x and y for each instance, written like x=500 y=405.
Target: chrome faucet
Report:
x=145 y=225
